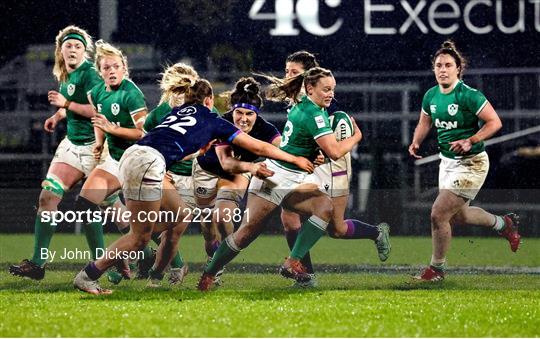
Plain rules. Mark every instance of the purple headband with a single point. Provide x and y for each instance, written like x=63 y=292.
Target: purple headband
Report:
x=248 y=106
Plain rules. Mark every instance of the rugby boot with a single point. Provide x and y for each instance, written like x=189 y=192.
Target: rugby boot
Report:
x=293 y=269
x=205 y=282
x=383 y=241
x=28 y=269
x=83 y=283
x=177 y=275
x=430 y=273
x=217 y=276
x=311 y=283
x=510 y=231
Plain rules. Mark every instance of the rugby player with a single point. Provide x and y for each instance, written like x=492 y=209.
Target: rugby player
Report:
x=73 y=159
x=307 y=128
x=334 y=179
x=226 y=184
x=464 y=118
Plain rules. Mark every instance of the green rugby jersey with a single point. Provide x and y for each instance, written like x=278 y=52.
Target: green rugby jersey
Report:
x=306 y=122
x=152 y=120
x=119 y=106
x=79 y=82
x=455 y=115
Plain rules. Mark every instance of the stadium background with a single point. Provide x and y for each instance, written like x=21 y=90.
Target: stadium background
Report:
x=379 y=50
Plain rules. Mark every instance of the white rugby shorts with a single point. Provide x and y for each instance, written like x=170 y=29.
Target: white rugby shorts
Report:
x=464 y=177
x=335 y=176
x=184 y=186
x=277 y=187
x=142 y=170
x=80 y=157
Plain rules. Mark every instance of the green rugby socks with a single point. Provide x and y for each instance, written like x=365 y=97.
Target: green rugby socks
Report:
x=43 y=232
x=312 y=230
x=94 y=237
x=223 y=255
x=291 y=237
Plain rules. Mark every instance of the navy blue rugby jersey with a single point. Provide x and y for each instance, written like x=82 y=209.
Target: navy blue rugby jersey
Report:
x=262 y=130
x=185 y=130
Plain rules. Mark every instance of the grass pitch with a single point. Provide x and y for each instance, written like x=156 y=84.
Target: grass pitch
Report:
x=355 y=302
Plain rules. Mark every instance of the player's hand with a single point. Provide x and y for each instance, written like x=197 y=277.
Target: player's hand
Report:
x=413 y=149
x=319 y=160
x=206 y=147
x=304 y=164
x=50 y=124
x=357 y=133
x=460 y=146
x=56 y=99
x=261 y=171
x=98 y=148
x=101 y=122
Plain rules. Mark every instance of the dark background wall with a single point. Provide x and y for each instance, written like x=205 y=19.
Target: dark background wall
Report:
x=201 y=29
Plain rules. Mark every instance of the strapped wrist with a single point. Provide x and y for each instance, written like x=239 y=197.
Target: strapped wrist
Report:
x=66 y=104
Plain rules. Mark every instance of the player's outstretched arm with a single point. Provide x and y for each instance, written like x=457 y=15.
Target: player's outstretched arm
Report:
x=231 y=164
x=265 y=149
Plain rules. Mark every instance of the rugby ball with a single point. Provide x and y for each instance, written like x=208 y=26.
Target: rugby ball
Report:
x=341 y=125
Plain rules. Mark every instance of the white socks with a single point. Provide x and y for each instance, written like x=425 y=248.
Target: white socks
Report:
x=499 y=223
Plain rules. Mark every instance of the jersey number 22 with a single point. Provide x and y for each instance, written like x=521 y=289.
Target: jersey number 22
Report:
x=177 y=126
